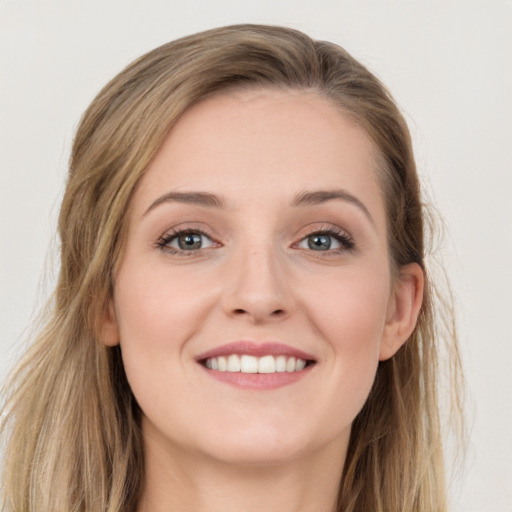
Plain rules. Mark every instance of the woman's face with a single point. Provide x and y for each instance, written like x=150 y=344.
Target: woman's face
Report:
x=254 y=298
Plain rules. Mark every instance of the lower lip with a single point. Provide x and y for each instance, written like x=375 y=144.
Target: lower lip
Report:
x=258 y=381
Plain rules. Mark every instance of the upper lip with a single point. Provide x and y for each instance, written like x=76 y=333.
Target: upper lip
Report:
x=252 y=348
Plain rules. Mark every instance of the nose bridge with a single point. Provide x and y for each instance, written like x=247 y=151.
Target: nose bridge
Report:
x=257 y=285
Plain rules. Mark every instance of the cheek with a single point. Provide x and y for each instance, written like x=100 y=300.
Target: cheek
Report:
x=351 y=318
x=156 y=308
x=350 y=309
x=157 y=313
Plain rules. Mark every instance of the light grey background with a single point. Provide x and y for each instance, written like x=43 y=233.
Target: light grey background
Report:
x=448 y=63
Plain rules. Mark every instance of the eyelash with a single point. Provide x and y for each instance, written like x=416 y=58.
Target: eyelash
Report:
x=340 y=236
x=164 y=241
x=346 y=241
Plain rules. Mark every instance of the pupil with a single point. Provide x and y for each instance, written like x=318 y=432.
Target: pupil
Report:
x=190 y=241
x=319 y=242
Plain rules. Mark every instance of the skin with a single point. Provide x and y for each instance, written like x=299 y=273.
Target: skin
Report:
x=210 y=445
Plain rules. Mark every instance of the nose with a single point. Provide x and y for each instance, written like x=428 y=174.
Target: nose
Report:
x=257 y=288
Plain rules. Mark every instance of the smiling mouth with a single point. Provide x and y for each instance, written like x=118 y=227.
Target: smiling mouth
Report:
x=235 y=363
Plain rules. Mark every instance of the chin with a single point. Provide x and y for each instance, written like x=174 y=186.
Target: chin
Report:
x=258 y=454
x=262 y=445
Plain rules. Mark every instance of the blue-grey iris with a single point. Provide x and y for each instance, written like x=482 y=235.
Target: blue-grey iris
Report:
x=319 y=242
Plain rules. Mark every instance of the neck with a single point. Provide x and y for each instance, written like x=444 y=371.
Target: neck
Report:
x=193 y=482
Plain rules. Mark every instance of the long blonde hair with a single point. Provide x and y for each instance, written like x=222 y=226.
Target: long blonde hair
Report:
x=72 y=427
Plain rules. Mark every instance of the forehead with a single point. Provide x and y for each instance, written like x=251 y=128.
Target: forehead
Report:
x=263 y=144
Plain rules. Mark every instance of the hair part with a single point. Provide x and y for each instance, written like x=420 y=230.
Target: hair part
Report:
x=73 y=426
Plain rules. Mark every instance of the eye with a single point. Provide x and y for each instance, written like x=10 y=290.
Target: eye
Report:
x=185 y=241
x=320 y=242
x=327 y=240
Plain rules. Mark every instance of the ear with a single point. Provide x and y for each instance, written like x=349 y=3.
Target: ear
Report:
x=109 y=329
x=403 y=309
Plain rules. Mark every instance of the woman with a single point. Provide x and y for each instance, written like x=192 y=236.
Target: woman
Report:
x=243 y=319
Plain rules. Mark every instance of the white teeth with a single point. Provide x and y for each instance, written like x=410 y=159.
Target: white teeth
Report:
x=300 y=365
x=267 y=364
x=233 y=363
x=248 y=364
x=280 y=364
x=252 y=364
x=223 y=364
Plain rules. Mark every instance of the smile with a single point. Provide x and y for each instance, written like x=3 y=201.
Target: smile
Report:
x=251 y=364
x=256 y=366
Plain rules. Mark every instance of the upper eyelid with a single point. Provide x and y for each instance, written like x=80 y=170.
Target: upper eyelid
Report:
x=339 y=237
x=187 y=228
x=325 y=228
x=170 y=235
x=310 y=231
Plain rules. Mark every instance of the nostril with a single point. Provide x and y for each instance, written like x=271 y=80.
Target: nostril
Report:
x=277 y=313
x=259 y=314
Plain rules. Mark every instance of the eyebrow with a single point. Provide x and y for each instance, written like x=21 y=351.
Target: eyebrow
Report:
x=302 y=199
x=198 y=198
x=322 y=196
